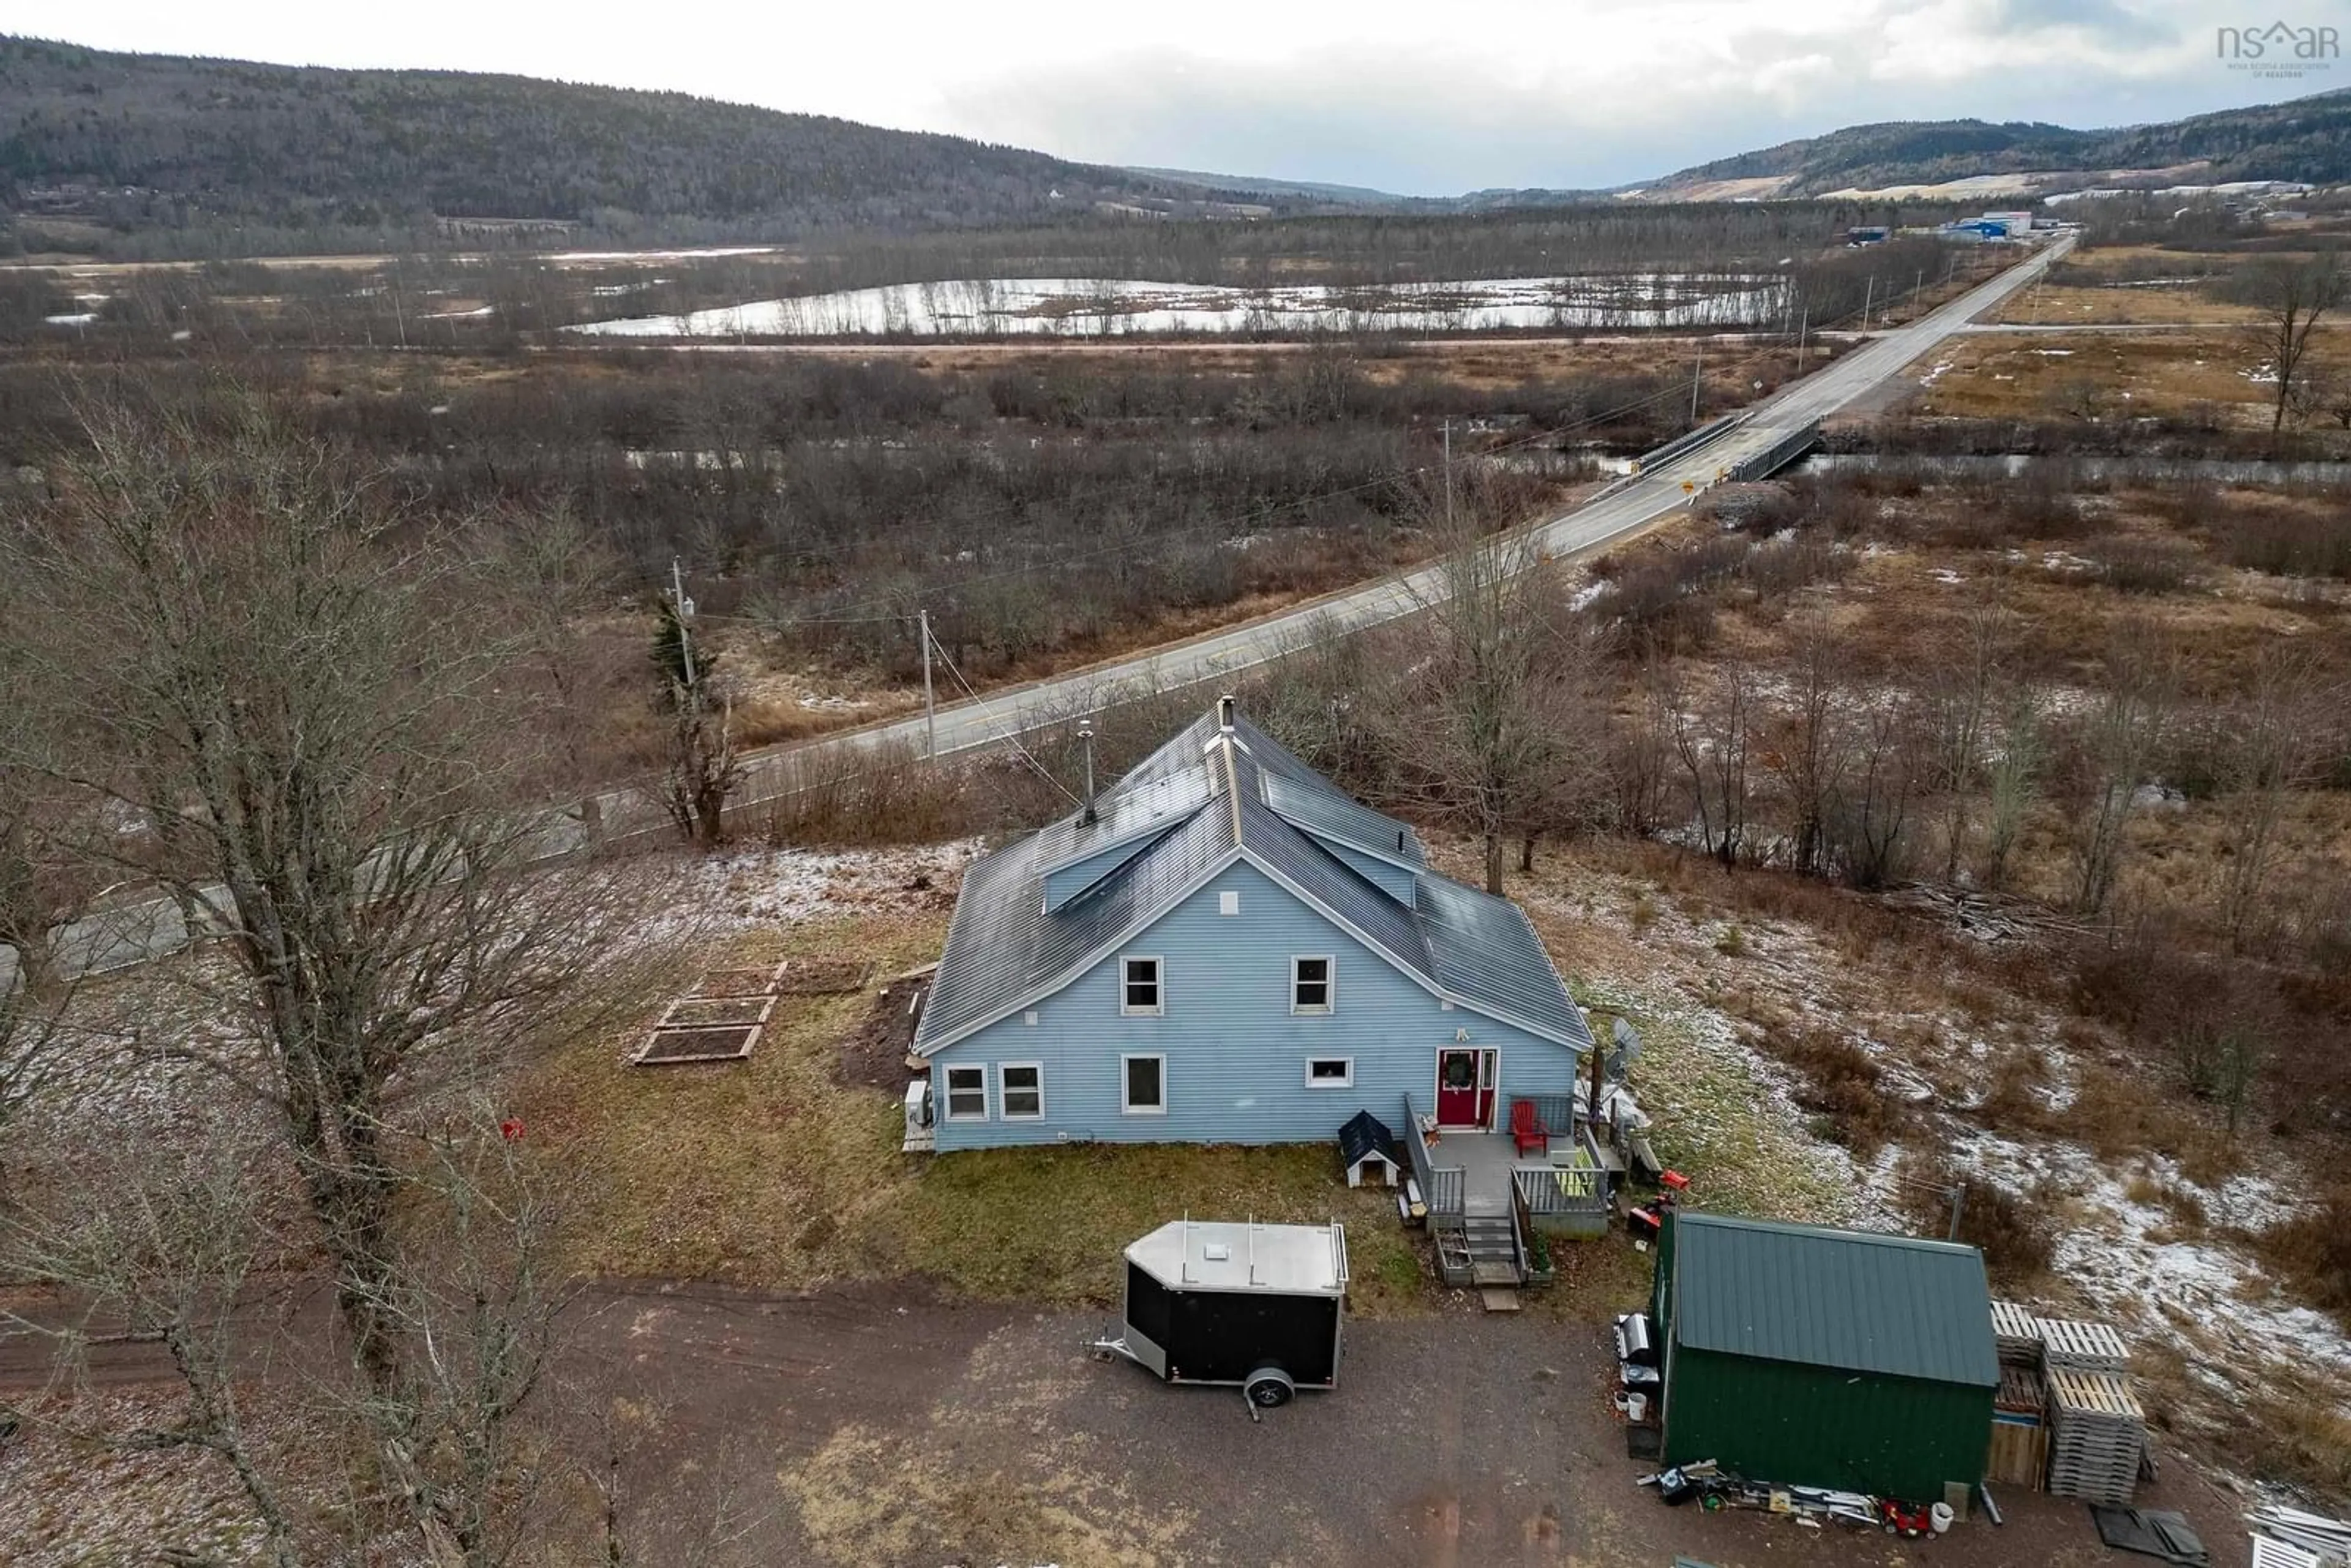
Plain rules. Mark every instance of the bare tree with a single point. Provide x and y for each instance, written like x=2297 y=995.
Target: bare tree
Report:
x=2012 y=780
x=303 y=693
x=2291 y=298
x=2123 y=735
x=1808 y=744
x=161 y=1247
x=1957 y=704
x=1870 y=812
x=1496 y=728
x=700 y=767
x=2268 y=743
x=1714 y=738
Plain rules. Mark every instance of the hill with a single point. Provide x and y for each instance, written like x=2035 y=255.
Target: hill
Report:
x=124 y=142
x=2306 y=138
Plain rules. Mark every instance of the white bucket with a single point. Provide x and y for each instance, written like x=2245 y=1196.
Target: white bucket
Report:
x=1941 y=1516
x=1637 y=1406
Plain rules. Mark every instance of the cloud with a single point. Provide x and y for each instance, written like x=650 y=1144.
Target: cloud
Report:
x=1638 y=101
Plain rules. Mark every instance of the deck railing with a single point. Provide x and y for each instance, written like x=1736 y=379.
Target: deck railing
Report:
x=1444 y=1188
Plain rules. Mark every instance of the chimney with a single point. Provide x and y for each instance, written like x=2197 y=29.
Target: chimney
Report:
x=1086 y=742
x=1224 y=712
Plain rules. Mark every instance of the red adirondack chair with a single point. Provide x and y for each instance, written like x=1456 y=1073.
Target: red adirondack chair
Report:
x=1528 y=1128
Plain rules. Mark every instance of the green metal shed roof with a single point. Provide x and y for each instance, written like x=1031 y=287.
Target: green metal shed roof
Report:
x=1844 y=1298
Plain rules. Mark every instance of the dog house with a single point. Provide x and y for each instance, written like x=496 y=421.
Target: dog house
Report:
x=1366 y=1147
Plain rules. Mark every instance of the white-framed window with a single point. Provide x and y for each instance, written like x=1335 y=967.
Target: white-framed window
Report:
x=966 y=1093
x=1139 y=991
x=1142 y=1085
x=1313 y=984
x=1331 y=1072
x=1021 y=1091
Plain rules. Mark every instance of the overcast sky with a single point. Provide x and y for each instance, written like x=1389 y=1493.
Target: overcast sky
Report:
x=1424 y=98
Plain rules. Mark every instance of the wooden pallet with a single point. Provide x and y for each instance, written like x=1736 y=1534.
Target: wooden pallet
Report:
x=2016 y=1334
x=2082 y=1347
x=2106 y=1394
x=2021 y=1393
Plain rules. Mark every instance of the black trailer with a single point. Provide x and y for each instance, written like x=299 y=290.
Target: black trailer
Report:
x=1253 y=1307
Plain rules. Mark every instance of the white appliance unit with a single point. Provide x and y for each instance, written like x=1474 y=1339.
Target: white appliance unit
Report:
x=919 y=1137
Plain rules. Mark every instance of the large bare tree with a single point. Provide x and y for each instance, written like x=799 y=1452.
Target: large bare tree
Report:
x=309 y=706
x=2291 y=298
x=1500 y=722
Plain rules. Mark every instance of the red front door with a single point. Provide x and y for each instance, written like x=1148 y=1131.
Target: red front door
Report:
x=1457 y=1096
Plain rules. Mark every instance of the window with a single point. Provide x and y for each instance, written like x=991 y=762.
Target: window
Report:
x=1228 y=903
x=966 y=1093
x=1331 y=1072
x=1310 y=985
x=1021 y=1091
x=1139 y=988
x=1145 y=1081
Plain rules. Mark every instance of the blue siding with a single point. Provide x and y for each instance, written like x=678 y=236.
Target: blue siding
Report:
x=1236 y=1056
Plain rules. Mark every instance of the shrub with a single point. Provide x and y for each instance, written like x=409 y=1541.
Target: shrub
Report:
x=2014 y=1231
x=2312 y=1253
x=2130 y=565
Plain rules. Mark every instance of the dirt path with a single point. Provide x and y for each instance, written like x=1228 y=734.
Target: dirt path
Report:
x=876 y=1426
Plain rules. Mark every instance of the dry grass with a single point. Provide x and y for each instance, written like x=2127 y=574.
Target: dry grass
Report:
x=773 y=1173
x=2103 y=376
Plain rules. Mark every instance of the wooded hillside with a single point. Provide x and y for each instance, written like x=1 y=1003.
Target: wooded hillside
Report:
x=127 y=140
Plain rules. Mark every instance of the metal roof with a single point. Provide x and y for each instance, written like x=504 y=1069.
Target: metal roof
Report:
x=1218 y=1255
x=1210 y=802
x=1844 y=1299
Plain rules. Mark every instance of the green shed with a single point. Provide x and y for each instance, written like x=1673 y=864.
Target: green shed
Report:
x=1806 y=1357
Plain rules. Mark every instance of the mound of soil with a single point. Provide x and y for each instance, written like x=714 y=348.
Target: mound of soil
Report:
x=874 y=1055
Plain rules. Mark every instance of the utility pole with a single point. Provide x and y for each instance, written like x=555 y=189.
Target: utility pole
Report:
x=1802 y=328
x=1694 y=368
x=1866 y=298
x=685 y=608
x=1959 y=1206
x=930 y=708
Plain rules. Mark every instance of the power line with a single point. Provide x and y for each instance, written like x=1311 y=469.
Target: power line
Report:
x=1007 y=733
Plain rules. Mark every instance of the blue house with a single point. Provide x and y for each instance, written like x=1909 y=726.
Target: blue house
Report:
x=1225 y=947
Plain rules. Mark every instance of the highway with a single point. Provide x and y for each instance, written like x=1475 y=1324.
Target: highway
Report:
x=1621 y=511
x=134 y=929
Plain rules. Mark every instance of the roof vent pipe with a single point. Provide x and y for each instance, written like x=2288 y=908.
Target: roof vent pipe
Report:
x=1224 y=712
x=1086 y=742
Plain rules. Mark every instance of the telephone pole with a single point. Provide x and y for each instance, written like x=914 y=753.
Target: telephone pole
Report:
x=1694 y=368
x=930 y=708
x=1804 y=326
x=685 y=608
x=1869 y=296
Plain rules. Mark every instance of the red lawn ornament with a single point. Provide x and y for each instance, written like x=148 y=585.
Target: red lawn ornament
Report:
x=511 y=1129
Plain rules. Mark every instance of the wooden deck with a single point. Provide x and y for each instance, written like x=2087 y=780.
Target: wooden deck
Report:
x=1488 y=1162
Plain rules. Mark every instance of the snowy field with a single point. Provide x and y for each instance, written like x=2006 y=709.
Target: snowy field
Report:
x=1084 y=307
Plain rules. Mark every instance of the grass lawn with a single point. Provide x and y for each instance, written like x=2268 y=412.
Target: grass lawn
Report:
x=774 y=1173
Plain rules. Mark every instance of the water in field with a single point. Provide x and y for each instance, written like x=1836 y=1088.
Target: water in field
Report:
x=1090 y=307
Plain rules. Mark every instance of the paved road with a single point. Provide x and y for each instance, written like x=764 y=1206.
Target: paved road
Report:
x=133 y=931
x=1623 y=510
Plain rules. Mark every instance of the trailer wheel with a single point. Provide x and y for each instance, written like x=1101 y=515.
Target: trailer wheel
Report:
x=1268 y=1386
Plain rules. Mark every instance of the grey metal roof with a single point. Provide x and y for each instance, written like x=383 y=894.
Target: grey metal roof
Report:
x=1323 y=808
x=1480 y=945
x=1208 y=803
x=1843 y=1299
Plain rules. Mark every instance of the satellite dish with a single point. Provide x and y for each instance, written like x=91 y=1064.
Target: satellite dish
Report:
x=1628 y=1044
